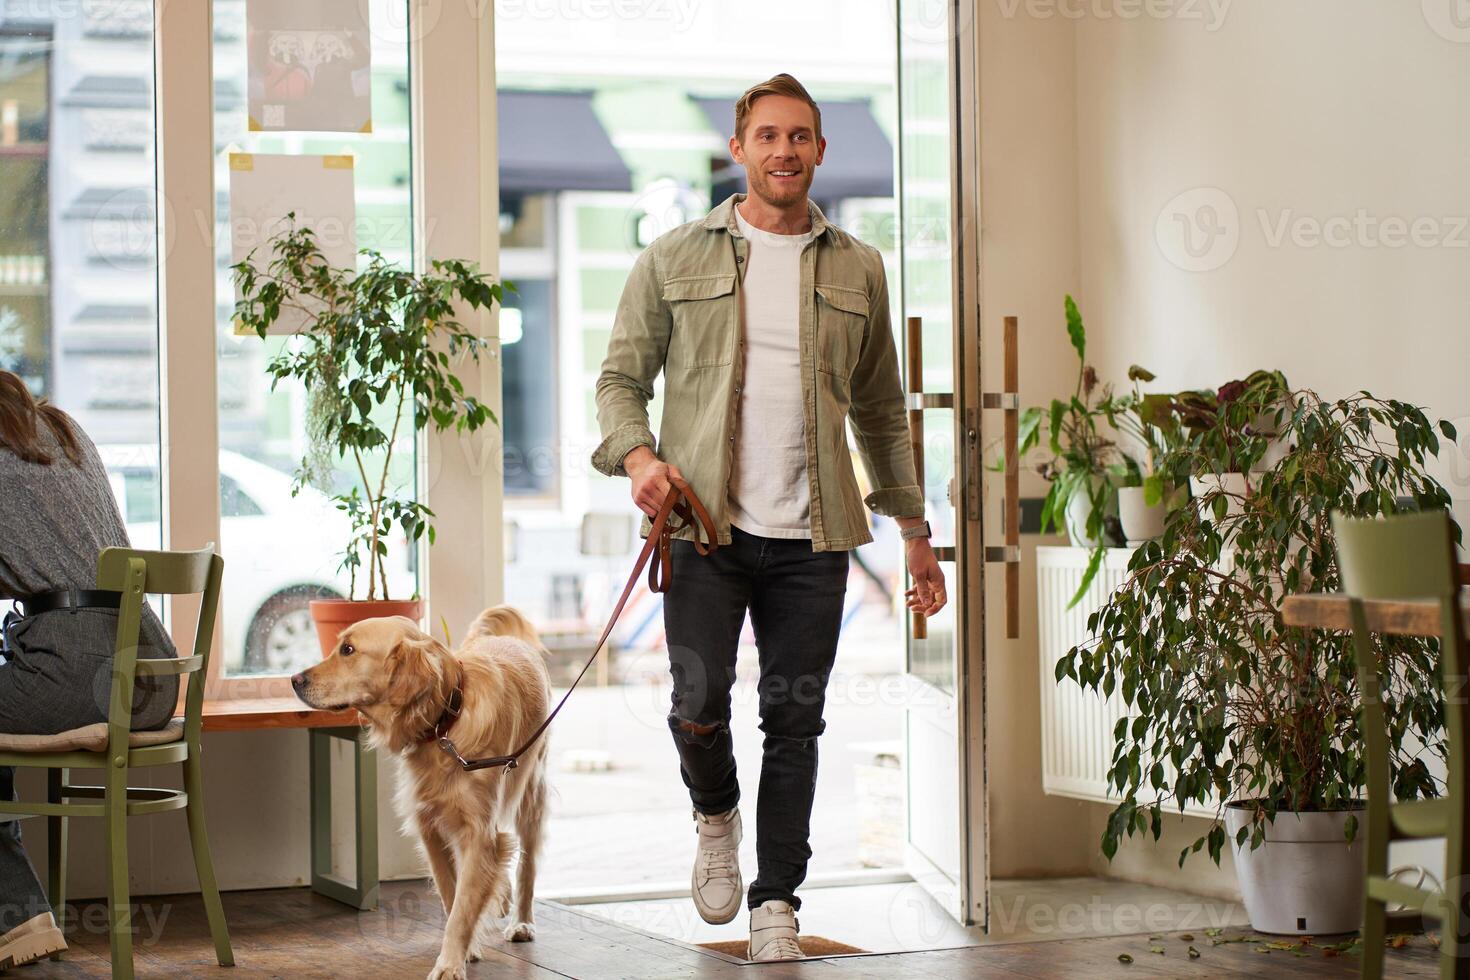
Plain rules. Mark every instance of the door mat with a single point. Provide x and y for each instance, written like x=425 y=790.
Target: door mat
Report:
x=810 y=946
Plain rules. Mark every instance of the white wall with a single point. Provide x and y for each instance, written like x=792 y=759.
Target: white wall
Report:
x=1029 y=260
x=1317 y=113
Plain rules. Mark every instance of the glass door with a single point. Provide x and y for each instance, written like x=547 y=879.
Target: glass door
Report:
x=944 y=846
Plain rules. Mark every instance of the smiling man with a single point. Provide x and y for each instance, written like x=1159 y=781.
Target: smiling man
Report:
x=771 y=328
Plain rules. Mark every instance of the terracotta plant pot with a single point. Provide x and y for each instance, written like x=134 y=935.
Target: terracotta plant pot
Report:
x=332 y=616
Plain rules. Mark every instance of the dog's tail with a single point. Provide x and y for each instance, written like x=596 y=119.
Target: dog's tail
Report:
x=505 y=621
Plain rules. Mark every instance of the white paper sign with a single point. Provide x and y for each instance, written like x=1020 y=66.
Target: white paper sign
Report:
x=310 y=65
x=266 y=187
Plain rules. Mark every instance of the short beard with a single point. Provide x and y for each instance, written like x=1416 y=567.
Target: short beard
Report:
x=762 y=187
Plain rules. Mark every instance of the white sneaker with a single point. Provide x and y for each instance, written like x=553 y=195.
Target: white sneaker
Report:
x=773 y=929
x=715 y=883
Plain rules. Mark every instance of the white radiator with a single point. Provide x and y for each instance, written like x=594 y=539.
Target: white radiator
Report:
x=1076 y=723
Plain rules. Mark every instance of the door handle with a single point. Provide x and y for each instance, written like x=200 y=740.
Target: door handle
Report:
x=917 y=401
x=1008 y=401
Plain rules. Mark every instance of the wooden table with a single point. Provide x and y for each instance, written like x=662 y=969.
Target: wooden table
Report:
x=1326 y=610
x=266 y=714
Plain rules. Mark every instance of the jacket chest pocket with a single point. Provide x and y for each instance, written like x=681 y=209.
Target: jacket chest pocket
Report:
x=703 y=308
x=842 y=321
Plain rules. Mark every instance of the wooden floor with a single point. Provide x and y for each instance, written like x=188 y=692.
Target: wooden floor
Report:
x=294 y=933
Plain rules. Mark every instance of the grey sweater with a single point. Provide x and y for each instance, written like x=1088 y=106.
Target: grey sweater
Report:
x=54 y=521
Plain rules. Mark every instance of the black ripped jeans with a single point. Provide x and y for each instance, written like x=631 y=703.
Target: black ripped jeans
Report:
x=795 y=598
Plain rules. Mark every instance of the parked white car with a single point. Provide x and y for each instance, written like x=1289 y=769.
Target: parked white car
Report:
x=280 y=553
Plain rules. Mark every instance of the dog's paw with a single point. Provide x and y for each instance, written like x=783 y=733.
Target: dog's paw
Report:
x=445 y=970
x=520 y=932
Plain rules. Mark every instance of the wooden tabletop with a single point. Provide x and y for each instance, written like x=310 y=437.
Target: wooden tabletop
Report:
x=1326 y=610
x=249 y=714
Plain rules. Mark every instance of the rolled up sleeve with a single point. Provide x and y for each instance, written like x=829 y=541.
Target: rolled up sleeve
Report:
x=635 y=356
x=879 y=425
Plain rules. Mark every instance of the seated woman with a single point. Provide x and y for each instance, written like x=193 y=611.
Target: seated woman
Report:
x=57 y=513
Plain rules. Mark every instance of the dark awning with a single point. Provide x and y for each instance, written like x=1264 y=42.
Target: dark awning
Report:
x=552 y=141
x=859 y=160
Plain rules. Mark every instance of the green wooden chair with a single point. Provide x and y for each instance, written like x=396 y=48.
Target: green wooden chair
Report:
x=114 y=749
x=1410 y=556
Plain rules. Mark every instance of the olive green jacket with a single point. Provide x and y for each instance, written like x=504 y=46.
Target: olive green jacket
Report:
x=680 y=314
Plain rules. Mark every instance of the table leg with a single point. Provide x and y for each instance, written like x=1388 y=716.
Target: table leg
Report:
x=363 y=892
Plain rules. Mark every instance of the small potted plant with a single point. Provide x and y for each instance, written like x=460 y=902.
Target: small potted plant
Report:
x=1230 y=708
x=377 y=354
x=1231 y=433
x=1085 y=465
x=1153 y=426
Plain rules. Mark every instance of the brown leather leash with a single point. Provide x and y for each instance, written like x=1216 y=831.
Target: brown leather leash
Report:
x=680 y=502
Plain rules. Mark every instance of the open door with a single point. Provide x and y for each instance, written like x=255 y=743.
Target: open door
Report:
x=944 y=725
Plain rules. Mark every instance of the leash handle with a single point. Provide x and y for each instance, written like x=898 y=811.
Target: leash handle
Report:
x=680 y=501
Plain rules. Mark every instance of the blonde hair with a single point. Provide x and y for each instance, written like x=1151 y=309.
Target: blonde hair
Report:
x=782 y=84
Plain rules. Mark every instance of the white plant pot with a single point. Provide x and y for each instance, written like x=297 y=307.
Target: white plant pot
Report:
x=1305 y=878
x=1140 y=521
x=1079 y=509
x=1234 y=485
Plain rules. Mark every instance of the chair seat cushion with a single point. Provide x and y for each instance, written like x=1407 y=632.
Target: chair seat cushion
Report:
x=89 y=738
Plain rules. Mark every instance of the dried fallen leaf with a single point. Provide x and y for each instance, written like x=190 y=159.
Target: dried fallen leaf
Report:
x=1193 y=953
x=1213 y=932
x=1124 y=958
x=1156 y=949
x=1186 y=938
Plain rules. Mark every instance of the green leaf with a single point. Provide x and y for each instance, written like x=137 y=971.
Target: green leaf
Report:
x=1075 y=331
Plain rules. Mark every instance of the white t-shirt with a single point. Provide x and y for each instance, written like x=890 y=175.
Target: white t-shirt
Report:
x=768 y=482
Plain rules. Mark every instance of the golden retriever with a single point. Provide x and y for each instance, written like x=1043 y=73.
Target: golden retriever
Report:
x=399 y=679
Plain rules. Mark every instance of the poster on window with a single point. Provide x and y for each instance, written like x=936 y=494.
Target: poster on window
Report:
x=270 y=194
x=310 y=66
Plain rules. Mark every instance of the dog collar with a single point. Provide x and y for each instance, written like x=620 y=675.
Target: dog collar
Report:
x=452 y=707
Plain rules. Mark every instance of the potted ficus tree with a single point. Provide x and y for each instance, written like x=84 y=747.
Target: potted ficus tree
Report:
x=1231 y=709
x=1085 y=464
x=376 y=350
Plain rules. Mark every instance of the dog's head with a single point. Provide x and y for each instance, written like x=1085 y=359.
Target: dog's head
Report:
x=385 y=662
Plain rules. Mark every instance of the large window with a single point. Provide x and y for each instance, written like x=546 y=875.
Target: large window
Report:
x=78 y=271
x=283 y=542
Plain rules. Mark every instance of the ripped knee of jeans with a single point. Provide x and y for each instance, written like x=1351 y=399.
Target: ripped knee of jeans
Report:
x=695 y=732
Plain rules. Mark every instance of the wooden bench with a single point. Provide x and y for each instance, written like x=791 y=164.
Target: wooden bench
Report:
x=262 y=714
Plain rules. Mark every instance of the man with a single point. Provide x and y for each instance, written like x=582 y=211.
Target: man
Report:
x=771 y=328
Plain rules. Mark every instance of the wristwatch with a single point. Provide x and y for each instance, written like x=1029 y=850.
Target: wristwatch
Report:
x=917 y=531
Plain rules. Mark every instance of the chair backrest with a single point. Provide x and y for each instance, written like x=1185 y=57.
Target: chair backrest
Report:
x=1406 y=556
x=136 y=573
